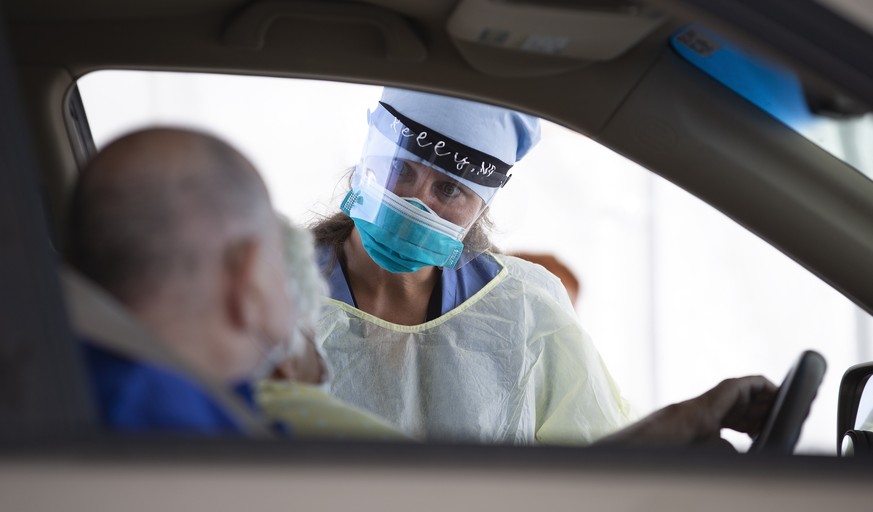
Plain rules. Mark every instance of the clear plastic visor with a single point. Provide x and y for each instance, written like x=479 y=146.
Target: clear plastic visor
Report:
x=406 y=175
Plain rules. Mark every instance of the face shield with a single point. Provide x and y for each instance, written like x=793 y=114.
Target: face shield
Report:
x=416 y=193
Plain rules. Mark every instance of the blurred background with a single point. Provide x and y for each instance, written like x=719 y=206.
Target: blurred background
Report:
x=676 y=295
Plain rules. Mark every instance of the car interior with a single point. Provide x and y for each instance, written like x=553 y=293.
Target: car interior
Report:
x=620 y=72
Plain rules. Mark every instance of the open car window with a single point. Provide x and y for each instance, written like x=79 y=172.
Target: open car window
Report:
x=676 y=295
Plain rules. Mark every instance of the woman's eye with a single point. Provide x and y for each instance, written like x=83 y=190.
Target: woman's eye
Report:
x=449 y=189
x=399 y=166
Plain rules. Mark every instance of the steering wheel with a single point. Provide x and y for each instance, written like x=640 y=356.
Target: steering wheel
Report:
x=791 y=406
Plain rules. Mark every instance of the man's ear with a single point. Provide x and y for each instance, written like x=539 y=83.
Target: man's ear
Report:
x=241 y=277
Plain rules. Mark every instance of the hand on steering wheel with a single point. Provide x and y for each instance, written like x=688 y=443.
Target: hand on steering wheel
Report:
x=781 y=428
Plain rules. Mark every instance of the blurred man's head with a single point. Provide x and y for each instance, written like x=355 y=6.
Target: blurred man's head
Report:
x=179 y=227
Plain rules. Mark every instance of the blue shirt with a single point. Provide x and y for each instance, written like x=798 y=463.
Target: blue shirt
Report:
x=457 y=285
x=137 y=397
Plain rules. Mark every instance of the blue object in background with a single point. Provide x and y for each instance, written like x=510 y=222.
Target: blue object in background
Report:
x=774 y=89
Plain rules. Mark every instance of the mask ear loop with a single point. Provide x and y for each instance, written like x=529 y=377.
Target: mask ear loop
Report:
x=325 y=372
x=272 y=349
x=275 y=361
x=270 y=357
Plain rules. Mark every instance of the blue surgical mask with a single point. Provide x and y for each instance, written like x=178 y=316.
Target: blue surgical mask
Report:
x=402 y=234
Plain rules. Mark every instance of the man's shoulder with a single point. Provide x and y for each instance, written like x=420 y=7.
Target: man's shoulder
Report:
x=111 y=366
x=136 y=396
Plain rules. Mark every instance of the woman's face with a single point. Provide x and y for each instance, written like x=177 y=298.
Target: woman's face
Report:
x=446 y=196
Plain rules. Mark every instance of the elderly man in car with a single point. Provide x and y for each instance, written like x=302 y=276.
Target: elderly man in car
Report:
x=178 y=227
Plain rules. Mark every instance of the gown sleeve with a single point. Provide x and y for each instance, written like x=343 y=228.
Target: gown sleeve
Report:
x=576 y=399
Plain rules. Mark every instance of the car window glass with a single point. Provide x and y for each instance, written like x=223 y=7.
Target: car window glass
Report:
x=675 y=294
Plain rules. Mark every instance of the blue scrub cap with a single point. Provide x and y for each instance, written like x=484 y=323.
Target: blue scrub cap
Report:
x=501 y=133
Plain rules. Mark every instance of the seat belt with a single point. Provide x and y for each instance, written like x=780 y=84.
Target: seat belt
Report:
x=106 y=322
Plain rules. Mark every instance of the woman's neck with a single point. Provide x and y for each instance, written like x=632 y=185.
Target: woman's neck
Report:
x=400 y=298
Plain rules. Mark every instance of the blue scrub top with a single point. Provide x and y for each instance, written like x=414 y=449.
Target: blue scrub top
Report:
x=137 y=397
x=457 y=285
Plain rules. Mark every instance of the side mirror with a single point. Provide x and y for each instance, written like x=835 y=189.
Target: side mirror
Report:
x=855 y=412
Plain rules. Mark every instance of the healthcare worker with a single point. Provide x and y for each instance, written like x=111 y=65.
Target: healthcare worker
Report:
x=425 y=326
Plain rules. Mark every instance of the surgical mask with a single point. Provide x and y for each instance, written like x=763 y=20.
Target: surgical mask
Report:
x=401 y=234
